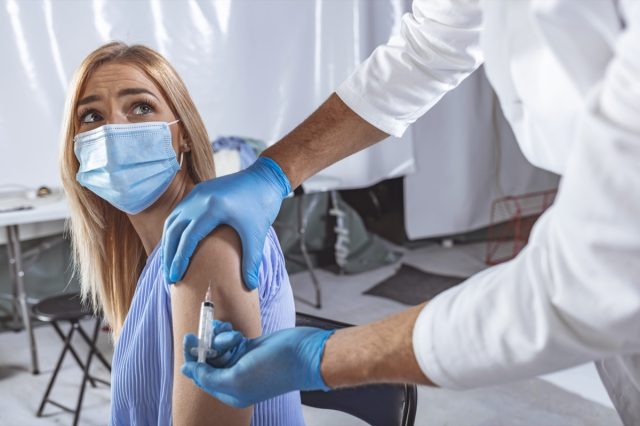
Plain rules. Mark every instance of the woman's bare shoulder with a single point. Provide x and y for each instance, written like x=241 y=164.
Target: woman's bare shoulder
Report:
x=217 y=256
x=217 y=262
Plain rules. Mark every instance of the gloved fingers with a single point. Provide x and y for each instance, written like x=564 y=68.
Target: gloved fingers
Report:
x=188 y=369
x=224 y=360
x=229 y=348
x=170 y=240
x=189 y=343
x=208 y=353
x=230 y=400
x=183 y=251
x=190 y=348
x=226 y=340
x=251 y=259
x=220 y=326
x=173 y=216
x=221 y=350
x=213 y=381
x=189 y=240
x=164 y=249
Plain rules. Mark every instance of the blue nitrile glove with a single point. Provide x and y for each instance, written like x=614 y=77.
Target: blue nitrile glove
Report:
x=248 y=201
x=264 y=367
x=225 y=345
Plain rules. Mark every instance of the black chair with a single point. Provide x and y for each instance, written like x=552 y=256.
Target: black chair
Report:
x=69 y=308
x=378 y=405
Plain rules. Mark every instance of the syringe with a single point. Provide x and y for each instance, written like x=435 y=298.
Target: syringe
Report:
x=205 y=329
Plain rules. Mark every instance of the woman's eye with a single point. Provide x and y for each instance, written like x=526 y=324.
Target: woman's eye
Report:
x=142 y=109
x=90 y=117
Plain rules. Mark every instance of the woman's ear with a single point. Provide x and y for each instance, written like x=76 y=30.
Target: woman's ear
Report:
x=185 y=146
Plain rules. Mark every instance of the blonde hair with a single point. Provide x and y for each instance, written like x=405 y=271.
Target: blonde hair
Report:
x=108 y=254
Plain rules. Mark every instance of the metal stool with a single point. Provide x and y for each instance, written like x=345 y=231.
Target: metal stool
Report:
x=69 y=308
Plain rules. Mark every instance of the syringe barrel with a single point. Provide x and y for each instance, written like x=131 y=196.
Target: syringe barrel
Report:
x=205 y=330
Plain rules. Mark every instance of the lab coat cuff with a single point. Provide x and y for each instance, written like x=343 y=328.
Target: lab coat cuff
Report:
x=361 y=106
x=425 y=350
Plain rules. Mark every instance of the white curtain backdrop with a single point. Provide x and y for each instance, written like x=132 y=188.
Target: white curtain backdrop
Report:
x=466 y=158
x=255 y=68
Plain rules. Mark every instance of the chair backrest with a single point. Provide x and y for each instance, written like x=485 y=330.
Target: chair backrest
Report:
x=378 y=405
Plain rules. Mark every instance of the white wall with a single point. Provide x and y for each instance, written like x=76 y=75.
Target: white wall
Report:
x=254 y=68
x=466 y=157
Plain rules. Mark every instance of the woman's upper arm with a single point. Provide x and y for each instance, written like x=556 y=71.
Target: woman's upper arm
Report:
x=217 y=260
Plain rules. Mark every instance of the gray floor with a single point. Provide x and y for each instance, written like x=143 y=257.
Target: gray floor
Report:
x=533 y=402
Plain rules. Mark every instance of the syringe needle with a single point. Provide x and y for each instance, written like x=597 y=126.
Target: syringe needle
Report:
x=207 y=296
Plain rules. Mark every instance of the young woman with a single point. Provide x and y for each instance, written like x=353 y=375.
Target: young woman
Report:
x=133 y=146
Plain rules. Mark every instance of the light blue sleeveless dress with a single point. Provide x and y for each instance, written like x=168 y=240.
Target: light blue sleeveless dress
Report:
x=142 y=376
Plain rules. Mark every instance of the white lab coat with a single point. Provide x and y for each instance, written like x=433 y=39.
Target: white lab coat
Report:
x=567 y=73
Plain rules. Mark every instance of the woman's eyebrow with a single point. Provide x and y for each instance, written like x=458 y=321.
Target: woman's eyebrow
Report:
x=121 y=93
x=89 y=99
x=135 y=91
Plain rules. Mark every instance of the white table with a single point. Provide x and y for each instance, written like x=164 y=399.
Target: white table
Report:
x=42 y=209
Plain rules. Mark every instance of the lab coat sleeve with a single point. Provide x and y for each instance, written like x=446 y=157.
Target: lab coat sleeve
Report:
x=437 y=48
x=573 y=294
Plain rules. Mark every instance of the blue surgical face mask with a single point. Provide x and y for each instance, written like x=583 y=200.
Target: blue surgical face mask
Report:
x=128 y=165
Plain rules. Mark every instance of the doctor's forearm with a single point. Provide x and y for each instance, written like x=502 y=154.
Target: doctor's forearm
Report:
x=330 y=134
x=374 y=353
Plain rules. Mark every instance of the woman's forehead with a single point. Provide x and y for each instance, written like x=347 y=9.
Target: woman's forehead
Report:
x=115 y=76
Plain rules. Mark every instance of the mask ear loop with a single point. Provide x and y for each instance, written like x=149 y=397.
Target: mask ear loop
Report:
x=182 y=153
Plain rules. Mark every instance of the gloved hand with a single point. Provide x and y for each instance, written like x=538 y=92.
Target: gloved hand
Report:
x=248 y=201
x=226 y=345
x=261 y=368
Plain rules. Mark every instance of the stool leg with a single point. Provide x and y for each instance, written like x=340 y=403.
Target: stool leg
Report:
x=85 y=377
x=56 y=327
x=103 y=360
x=97 y=353
x=67 y=344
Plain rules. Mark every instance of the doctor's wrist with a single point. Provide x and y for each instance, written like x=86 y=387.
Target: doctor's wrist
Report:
x=276 y=174
x=374 y=353
x=342 y=364
x=318 y=341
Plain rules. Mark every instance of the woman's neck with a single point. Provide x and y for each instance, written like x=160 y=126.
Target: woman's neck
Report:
x=149 y=223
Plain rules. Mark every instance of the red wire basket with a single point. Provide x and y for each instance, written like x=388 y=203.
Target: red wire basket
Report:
x=512 y=218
